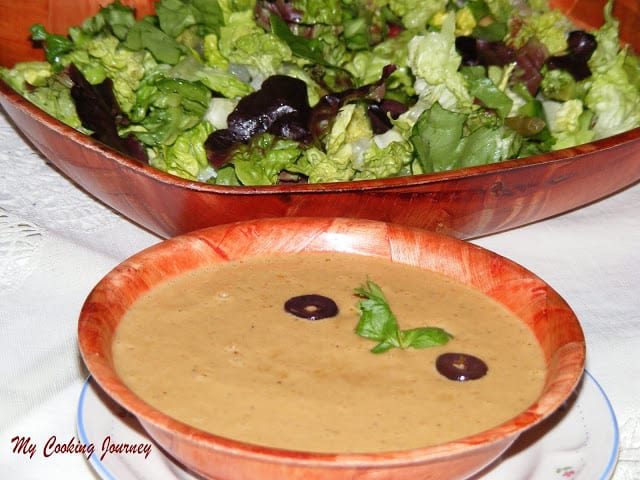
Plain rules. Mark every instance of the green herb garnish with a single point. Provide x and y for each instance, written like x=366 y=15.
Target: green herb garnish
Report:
x=377 y=322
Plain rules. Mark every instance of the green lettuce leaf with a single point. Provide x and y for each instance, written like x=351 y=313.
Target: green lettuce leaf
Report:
x=366 y=66
x=216 y=79
x=614 y=93
x=186 y=157
x=382 y=161
x=145 y=34
x=166 y=107
x=416 y=13
x=101 y=57
x=569 y=123
x=434 y=60
x=115 y=19
x=550 y=27
x=263 y=158
x=242 y=42
x=485 y=90
x=176 y=16
x=435 y=136
x=50 y=92
x=349 y=137
x=25 y=75
x=327 y=12
x=55 y=46
x=445 y=140
x=321 y=168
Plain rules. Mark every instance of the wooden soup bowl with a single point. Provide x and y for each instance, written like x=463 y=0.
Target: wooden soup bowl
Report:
x=553 y=323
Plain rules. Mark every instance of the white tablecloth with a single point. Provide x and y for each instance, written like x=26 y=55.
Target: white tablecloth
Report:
x=56 y=242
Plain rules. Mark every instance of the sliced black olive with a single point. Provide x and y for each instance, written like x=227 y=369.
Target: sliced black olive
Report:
x=311 y=307
x=581 y=46
x=461 y=366
x=468 y=50
x=577 y=67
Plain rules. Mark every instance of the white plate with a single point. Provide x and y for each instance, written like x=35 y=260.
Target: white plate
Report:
x=579 y=442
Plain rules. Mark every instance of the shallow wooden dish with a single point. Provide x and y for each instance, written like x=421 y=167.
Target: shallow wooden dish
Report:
x=530 y=298
x=466 y=203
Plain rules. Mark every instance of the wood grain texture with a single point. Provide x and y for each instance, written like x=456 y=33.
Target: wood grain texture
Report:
x=465 y=203
x=538 y=305
x=56 y=15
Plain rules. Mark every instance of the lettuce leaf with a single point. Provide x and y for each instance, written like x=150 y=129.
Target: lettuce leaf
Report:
x=549 y=27
x=261 y=160
x=243 y=42
x=165 y=107
x=353 y=154
x=50 y=92
x=614 y=93
x=569 y=123
x=445 y=140
x=383 y=161
x=415 y=14
x=186 y=157
x=176 y=16
x=434 y=60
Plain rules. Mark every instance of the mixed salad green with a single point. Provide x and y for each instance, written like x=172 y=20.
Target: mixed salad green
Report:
x=259 y=92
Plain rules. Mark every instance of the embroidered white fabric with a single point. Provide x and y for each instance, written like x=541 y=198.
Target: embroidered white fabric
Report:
x=57 y=241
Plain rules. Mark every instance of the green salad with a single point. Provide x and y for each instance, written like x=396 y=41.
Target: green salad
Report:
x=264 y=92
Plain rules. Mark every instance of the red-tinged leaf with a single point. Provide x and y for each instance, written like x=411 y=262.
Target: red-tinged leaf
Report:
x=99 y=112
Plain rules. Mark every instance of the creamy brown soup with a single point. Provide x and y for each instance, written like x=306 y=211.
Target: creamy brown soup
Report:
x=215 y=349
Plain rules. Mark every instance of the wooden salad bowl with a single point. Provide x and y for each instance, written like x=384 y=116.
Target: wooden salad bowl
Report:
x=464 y=203
x=546 y=314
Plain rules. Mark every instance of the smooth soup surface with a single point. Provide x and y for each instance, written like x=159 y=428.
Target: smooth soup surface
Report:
x=215 y=349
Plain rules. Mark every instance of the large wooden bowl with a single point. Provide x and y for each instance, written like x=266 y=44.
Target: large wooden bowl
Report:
x=550 y=319
x=465 y=203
